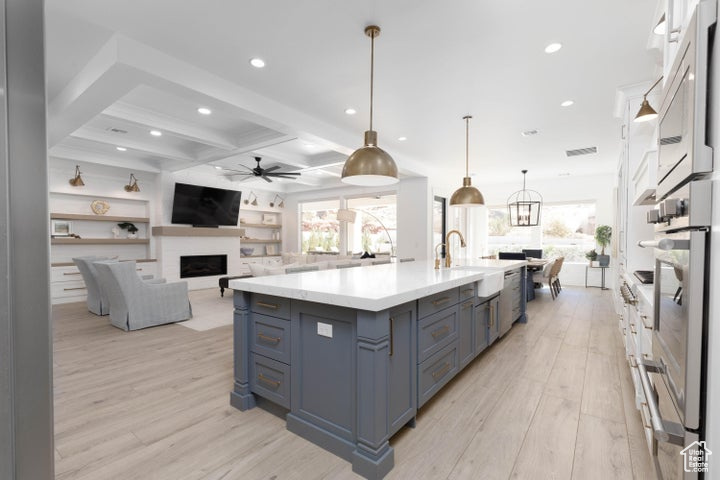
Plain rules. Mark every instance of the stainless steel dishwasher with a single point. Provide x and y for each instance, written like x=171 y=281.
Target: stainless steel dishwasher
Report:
x=509 y=300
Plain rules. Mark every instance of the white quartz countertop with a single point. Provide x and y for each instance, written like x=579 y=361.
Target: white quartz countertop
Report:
x=375 y=287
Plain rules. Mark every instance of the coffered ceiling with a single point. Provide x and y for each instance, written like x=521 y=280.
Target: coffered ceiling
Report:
x=117 y=70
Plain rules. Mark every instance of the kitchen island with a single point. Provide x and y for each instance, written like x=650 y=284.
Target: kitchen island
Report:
x=353 y=353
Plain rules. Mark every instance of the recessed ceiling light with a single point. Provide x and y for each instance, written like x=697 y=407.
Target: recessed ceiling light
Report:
x=402 y=139
x=121 y=149
x=308 y=145
x=218 y=167
x=553 y=47
x=566 y=174
x=204 y=111
x=156 y=133
x=567 y=103
x=350 y=111
x=529 y=133
x=257 y=62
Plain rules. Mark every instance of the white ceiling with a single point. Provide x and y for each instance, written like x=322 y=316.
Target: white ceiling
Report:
x=137 y=65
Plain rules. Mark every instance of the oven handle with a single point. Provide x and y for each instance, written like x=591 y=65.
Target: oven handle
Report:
x=665 y=244
x=664 y=431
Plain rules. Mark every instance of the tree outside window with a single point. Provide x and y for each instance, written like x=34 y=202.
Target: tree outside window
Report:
x=320 y=229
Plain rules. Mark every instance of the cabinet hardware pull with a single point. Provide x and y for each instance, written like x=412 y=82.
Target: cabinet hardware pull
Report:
x=71 y=273
x=492 y=315
x=468 y=290
x=138 y=269
x=75 y=288
x=440 y=301
x=391 y=336
x=467 y=305
x=643 y=318
x=440 y=331
x=268 y=338
x=264 y=379
x=267 y=305
x=442 y=371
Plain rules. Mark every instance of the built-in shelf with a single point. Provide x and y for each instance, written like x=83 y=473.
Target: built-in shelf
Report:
x=98 y=218
x=258 y=256
x=260 y=225
x=258 y=240
x=136 y=260
x=98 y=241
x=170 y=231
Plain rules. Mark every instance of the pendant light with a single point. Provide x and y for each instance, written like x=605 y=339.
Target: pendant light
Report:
x=524 y=207
x=370 y=165
x=467 y=195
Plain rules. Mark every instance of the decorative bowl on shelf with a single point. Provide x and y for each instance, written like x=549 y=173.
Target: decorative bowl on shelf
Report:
x=247 y=251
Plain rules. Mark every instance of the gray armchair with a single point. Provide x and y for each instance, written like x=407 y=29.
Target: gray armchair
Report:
x=135 y=304
x=97 y=303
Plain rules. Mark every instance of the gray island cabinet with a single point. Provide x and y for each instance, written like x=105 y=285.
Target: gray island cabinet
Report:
x=353 y=353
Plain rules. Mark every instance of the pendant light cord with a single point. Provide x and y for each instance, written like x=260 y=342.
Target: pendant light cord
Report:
x=372 y=75
x=467 y=145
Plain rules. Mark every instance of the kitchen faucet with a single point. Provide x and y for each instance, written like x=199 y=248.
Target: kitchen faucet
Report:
x=437 y=255
x=448 y=261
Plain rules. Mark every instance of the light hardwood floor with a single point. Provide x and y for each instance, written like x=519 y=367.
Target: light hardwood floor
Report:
x=551 y=400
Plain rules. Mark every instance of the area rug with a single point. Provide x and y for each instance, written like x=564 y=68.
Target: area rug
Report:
x=210 y=310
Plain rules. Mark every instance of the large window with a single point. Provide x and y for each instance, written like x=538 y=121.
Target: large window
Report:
x=375 y=227
x=565 y=230
x=320 y=229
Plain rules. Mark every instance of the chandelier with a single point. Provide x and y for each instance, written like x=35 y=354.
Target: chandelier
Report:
x=524 y=207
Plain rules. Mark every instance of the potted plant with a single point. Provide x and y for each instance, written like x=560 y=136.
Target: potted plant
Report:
x=602 y=237
x=591 y=255
x=130 y=227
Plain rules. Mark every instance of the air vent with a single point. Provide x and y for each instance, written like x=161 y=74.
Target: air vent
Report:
x=116 y=130
x=529 y=133
x=581 y=151
x=671 y=140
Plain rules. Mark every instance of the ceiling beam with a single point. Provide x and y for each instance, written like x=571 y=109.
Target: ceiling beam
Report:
x=79 y=155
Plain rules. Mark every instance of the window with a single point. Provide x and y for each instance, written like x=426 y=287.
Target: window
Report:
x=375 y=227
x=320 y=230
x=568 y=230
x=565 y=230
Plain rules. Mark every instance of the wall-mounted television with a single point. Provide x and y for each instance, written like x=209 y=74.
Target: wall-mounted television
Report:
x=205 y=206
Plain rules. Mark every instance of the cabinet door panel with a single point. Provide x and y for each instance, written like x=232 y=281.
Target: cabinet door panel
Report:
x=403 y=365
x=465 y=332
x=482 y=320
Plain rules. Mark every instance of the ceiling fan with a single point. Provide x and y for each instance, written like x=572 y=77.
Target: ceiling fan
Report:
x=263 y=173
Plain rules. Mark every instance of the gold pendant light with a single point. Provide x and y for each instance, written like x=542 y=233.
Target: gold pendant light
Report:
x=77 y=180
x=132 y=185
x=467 y=195
x=647 y=112
x=370 y=165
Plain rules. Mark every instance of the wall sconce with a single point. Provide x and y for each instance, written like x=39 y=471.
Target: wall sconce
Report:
x=647 y=112
x=132 y=185
x=281 y=204
x=253 y=202
x=77 y=181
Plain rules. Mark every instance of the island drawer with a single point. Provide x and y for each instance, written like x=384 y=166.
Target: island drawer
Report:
x=434 y=303
x=270 y=379
x=437 y=331
x=467 y=291
x=436 y=371
x=270 y=336
x=270 y=305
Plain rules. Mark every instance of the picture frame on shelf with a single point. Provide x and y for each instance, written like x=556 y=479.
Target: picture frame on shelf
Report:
x=271 y=250
x=60 y=228
x=269 y=219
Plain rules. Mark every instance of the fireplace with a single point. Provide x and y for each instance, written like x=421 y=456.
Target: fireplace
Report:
x=203 y=265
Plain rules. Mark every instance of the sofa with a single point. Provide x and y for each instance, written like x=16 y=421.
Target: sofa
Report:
x=295 y=262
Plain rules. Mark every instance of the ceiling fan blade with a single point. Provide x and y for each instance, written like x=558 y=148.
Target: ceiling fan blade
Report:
x=283 y=176
x=270 y=169
x=295 y=174
x=266 y=179
x=235 y=172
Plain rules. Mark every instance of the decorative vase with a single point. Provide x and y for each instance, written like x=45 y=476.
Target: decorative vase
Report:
x=603 y=260
x=132 y=235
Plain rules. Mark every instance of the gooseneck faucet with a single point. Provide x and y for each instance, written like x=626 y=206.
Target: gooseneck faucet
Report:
x=448 y=261
x=437 y=255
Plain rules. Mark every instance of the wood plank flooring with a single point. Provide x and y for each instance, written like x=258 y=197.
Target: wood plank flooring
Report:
x=551 y=400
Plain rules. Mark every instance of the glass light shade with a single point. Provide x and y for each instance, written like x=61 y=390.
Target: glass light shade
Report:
x=370 y=165
x=646 y=112
x=467 y=195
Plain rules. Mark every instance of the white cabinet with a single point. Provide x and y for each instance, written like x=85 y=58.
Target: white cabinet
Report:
x=644 y=179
